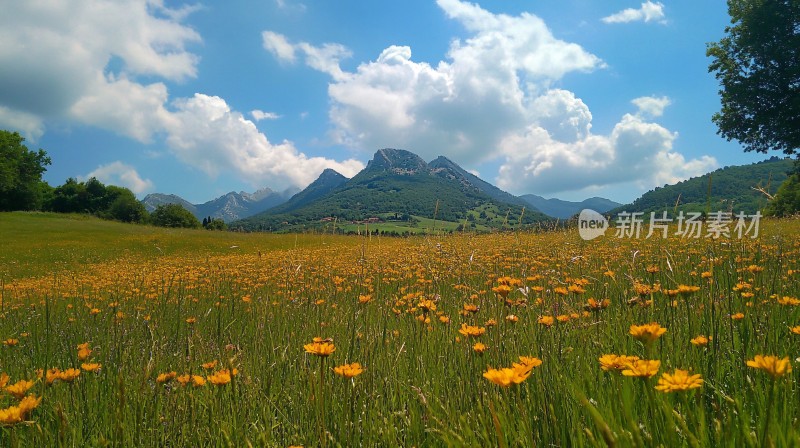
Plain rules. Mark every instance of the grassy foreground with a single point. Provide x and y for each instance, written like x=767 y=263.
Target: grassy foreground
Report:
x=196 y=338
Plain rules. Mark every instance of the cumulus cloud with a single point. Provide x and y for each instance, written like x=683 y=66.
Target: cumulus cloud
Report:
x=124 y=106
x=122 y=175
x=259 y=115
x=461 y=107
x=651 y=105
x=648 y=12
x=83 y=61
x=30 y=126
x=636 y=151
x=494 y=97
x=206 y=133
x=55 y=58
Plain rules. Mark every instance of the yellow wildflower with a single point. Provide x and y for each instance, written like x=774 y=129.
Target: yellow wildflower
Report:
x=349 y=370
x=317 y=348
x=19 y=388
x=648 y=332
x=616 y=362
x=775 y=367
x=642 y=368
x=506 y=376
x=470 y=330
x=678 y=381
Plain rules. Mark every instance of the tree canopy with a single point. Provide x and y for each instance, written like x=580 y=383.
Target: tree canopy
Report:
x=757 y=63
x=173 y=215
x=21 y=186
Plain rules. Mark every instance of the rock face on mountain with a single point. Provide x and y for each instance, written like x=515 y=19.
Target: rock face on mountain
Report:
x=228 y=207
x=447 y=167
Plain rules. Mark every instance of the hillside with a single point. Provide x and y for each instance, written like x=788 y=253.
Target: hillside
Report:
x=558 y=208
x=328 y=181
x=726 y=189
x=399 y=185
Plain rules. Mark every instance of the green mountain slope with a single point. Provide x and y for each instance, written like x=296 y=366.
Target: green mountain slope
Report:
x=726 y=189
x=328 y=181
x=399 y=183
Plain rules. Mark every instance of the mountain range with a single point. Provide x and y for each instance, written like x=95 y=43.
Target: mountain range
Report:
x=558 y=208
x=228 y=207
x=399 y=187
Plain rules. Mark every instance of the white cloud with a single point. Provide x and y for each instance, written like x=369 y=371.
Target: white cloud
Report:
x=205 y=133
x=278 y=45
x=461 y=107
x=652 y=106
x=290 y=6
x=259 y=115
x=122 y=175
x=494 y=98
x=325 y=58
x=30 y=126
x=82 y=61
x=55 y=54
x=124 y=106
x=648 y=12
x=636 y=151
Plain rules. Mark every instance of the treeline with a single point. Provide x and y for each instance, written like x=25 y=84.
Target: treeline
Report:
x=22 y=188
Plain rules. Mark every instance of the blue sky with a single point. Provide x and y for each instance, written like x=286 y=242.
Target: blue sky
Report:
x=561 y=98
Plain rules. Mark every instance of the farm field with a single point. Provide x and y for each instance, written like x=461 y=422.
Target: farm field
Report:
x=123 y=335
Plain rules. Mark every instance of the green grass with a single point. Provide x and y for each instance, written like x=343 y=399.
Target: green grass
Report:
x=68 y=280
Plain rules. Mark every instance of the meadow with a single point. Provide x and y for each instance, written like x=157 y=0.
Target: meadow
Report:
x=123 y=335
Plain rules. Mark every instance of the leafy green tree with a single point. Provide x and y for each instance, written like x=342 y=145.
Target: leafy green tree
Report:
x=758 y=65
x=125 y=207
x=20 y=174
x=787 y=200
x=71 y=197
x=216 y=224
x=173 y=215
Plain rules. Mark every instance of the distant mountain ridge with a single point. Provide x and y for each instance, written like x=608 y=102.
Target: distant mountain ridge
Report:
x=397 y=182
x=558 y=208
x=228 y=207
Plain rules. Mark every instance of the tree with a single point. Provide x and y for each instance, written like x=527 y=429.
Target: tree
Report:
x=787 y=199
x=68 y=198
x=125 y=207
x=21 y=185
x=757 y=63
x=173 y=215
x=216 y=224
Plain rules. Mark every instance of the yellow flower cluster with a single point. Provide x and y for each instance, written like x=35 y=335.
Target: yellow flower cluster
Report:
x=517 y=373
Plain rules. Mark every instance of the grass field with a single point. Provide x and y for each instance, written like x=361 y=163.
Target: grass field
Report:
x=198 y=338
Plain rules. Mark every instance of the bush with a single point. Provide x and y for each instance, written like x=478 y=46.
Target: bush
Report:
x=174 y=215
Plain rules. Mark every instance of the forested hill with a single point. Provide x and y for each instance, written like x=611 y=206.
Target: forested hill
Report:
x=726 y=189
